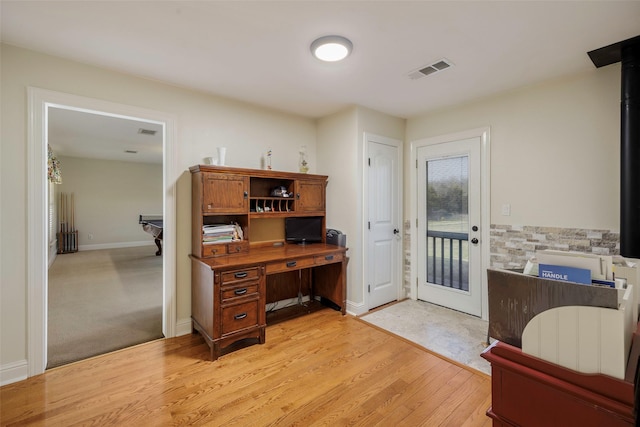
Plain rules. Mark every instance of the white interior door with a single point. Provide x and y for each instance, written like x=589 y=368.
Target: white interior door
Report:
x=384 y=220
x=448 y=232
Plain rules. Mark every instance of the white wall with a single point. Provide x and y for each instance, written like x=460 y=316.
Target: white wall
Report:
x=338 y=158
x=341 y=156
x=204 y=122
x=554 y=150
x=109 y=195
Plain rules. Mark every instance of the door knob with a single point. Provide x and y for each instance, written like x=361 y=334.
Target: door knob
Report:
x=474 y=241
x=396 y=231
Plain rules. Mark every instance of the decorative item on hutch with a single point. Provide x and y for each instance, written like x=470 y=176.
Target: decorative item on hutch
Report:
x=222 y=153
x=304 y=166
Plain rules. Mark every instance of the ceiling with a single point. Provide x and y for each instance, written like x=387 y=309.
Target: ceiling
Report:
x=82 y=134
x=258 y=51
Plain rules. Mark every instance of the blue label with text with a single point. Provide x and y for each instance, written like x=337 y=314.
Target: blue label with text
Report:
x=564 y=274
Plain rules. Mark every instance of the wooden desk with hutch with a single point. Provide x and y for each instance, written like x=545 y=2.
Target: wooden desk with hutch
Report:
x=232 y=283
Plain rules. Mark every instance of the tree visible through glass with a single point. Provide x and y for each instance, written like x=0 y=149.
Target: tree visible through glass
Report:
x=448 y=222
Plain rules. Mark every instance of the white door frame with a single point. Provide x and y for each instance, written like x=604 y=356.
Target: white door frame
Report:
x=39 y=100
x=485 y=200
x=365 y=192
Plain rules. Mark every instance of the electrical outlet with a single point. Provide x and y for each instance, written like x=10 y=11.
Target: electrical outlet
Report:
x=90 y=236
x=506 y=209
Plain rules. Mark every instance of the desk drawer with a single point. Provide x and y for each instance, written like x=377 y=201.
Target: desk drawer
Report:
x=218 y=249
x=239 y=291
x=213 y=249
x=294 y=264
x=240 y=247
x=240 y=316
x=328 y=258
x=235 y=276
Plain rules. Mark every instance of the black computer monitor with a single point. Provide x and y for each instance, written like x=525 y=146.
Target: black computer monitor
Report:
x=303 y=229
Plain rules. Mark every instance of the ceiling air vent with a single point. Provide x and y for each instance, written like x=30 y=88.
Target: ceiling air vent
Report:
x=427 y=70
x=147 y=131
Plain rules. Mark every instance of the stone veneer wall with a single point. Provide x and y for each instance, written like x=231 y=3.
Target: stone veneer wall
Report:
x=511 y=245
x=406 y=274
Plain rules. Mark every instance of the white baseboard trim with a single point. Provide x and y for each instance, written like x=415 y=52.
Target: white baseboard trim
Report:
x=14 y=372
x=356 y=309
x=183 y=327
x=115 y=245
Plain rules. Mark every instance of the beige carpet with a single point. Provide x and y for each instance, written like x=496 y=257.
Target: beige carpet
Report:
x=101 y=301
x=455 y=335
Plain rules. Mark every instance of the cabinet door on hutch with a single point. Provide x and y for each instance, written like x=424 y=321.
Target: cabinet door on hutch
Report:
x=225 y=193
x=310 y=196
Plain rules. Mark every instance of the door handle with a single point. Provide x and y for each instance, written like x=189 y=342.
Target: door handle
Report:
x=396 y=231
x=474 y=241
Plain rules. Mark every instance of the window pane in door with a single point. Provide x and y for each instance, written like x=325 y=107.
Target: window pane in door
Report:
x=448 y=222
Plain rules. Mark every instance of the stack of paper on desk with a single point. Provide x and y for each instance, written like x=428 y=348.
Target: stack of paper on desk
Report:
x=218 y=233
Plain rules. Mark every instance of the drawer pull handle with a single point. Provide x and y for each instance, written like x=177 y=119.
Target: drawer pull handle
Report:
x=240 y=316
x=328 y=257
x=240 y=291
x=241 y=275
x=291 y=264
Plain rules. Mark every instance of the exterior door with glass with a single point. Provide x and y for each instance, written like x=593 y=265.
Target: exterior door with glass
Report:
x=448 y=232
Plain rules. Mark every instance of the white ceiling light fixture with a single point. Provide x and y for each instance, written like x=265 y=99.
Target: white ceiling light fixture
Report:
x=331 y=48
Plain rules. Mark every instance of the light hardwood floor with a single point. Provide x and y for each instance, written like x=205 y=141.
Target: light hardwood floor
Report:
x=320 y=369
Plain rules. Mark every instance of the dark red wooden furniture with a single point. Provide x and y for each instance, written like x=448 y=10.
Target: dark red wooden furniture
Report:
x=527 y=391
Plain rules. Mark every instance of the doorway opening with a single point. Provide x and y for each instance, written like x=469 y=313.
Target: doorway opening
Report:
x=40 y=102
x=105 y=274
